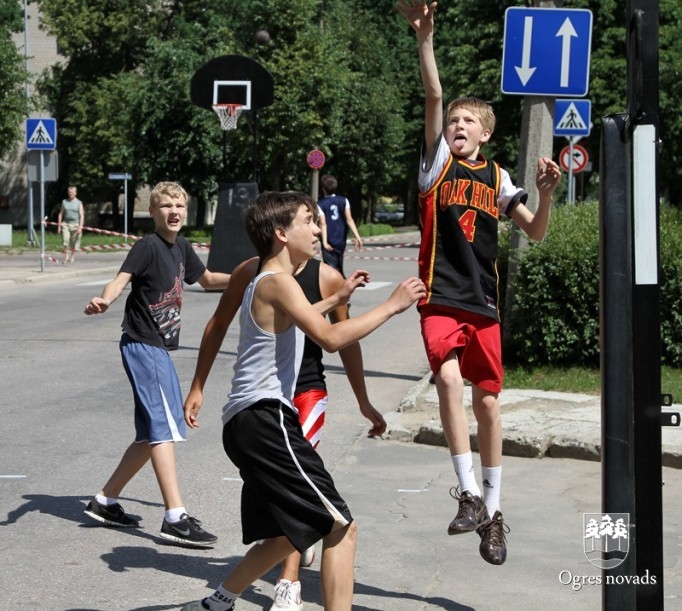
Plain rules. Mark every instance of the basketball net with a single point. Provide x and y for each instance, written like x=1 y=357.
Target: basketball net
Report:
x=229 y=115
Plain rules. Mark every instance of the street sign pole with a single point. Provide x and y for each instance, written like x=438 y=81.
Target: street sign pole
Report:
x=571 y=194
x=42 y=211
x=125 y=208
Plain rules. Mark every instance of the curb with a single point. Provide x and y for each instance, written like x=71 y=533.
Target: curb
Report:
x=536 y=424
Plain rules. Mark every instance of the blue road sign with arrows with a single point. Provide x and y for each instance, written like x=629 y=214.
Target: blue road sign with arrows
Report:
x=546 y=51
x=572 y=117
x=41 y=134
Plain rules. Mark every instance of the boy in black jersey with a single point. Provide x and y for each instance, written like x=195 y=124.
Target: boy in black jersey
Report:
x=461 y=197
x=156 y=266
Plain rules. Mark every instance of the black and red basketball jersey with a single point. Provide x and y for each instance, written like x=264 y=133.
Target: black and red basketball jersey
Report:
x=459 y=209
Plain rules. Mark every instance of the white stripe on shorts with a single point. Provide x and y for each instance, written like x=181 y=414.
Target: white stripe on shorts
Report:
x=339 y=519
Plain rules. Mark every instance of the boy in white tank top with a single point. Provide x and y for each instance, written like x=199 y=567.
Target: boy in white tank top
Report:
x=289 y=500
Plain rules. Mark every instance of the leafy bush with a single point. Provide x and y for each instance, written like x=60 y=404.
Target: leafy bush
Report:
x=671 y=286
x=555 y=318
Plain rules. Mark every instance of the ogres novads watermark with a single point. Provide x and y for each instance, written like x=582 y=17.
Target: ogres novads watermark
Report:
x=578 y=581
x=606 y=543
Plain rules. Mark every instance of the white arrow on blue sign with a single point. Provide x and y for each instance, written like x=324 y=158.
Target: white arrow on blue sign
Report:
x=572 y=117
x=546 y=51
x=41 y=134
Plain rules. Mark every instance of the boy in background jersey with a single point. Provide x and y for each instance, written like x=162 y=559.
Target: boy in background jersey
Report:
x=461 y=197
x=289 y=500
x=335 y=221
x=318 y=281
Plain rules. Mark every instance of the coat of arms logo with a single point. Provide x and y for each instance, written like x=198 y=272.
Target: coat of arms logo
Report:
x=606 y=540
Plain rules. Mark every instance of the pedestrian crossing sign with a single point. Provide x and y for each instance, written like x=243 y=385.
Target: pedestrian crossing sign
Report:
x=572 y=117
x=41 y=134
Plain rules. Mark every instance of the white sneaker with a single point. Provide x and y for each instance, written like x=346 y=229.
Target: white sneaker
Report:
x=287 y=596
x=308 y=557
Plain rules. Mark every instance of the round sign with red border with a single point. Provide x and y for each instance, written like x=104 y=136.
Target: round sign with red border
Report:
x=580 y=158
x=315 y=159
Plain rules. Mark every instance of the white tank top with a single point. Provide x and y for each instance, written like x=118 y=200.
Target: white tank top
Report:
x=267 y=363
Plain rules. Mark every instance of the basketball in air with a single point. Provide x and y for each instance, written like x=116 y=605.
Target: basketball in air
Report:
x=262 y=37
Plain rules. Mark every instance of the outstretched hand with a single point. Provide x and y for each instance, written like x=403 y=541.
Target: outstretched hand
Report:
x=406 y=293
x=547 y=177
x=358 y=278
x=96 y=305
x=418 y=13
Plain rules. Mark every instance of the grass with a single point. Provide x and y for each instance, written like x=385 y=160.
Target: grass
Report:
x=580 y=380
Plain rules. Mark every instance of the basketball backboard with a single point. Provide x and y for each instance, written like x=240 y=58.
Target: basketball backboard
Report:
x=232 y=79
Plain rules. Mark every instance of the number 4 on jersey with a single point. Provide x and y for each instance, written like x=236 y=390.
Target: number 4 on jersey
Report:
x=468 y=224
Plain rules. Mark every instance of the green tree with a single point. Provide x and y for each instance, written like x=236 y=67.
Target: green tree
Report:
x=12 y=78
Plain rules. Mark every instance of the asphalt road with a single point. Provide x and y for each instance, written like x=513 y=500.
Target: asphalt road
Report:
x=67 y=419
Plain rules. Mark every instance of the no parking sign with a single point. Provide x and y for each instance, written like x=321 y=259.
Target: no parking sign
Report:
x=315 y=159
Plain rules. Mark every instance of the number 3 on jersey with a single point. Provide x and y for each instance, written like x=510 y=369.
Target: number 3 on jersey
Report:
x=468 y=224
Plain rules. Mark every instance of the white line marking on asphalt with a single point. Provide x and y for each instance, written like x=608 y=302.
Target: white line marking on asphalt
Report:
x=232 y=479
x=12 y=476
x=409 y=490
x=376 y=285
x=94 y=283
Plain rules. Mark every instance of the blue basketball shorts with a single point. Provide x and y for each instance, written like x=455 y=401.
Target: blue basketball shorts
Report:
x=159 y=415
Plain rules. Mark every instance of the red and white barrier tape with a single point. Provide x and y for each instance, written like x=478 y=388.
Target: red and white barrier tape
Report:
x=381 y=258
x=102 y=231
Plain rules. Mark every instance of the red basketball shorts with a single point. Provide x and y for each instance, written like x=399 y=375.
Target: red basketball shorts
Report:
x=474 y=338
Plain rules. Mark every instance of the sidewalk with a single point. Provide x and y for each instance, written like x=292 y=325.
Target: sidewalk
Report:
x=536 y=424
x=22 y=265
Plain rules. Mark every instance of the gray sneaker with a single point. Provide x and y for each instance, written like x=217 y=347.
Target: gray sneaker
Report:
x=111 y=515
x=471 y=513
x=187 y=531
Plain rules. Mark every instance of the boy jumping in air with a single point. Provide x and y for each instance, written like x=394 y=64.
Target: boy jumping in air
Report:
x=461 y=196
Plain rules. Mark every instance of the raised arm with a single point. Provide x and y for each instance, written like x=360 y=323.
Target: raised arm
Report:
x=214 y=334
x=285 y=296
x=420 y=17
x=546 y=181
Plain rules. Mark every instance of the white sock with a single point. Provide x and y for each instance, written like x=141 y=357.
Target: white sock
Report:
x=105 y=500
x=173 y=515
x=221 y=599
x=492 y=478
x=464 y=468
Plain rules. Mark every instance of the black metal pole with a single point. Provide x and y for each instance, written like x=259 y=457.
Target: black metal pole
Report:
x=617 y=366
x=643 y=108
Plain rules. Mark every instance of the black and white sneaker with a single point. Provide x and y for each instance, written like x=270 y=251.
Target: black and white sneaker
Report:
x=187 y=531
x=111 y=515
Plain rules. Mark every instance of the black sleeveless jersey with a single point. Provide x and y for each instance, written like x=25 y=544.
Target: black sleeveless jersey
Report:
x=311 y=374
x=459 y=218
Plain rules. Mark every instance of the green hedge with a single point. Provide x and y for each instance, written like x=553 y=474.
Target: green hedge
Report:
x=555 y=318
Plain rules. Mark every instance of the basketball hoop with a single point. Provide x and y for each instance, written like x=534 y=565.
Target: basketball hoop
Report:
x=229 y=115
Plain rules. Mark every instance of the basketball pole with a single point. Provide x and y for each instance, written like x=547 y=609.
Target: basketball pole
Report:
x=631 y=352
x=643 y=109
